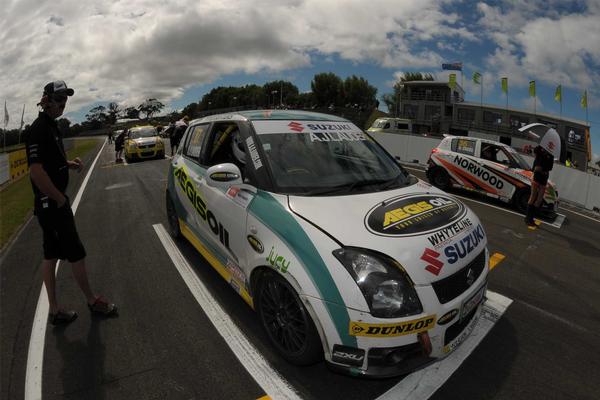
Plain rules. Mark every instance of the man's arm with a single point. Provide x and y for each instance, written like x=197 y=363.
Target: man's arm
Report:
x=43 y=182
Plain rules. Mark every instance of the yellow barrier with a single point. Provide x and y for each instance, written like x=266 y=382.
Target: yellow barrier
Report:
x=18 y=164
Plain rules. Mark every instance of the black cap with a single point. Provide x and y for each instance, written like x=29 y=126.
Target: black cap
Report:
x=58 y=87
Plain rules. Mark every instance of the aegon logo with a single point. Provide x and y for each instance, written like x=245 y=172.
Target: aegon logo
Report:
x=200 y=206
x=478 y=171
x=465 y=246
x=387 y=330
x=413 y=214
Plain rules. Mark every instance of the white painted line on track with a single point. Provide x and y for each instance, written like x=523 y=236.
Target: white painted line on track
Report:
x=420 y=385
x=580 y=214
x=35 y=354
x=271 y=382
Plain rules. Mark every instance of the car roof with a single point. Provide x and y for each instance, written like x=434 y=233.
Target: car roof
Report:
x=262 y=115
x=141 y=126
x=450 y=137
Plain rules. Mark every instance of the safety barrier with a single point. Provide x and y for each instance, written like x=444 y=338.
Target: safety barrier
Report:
x=13 y=165
x=573 y=185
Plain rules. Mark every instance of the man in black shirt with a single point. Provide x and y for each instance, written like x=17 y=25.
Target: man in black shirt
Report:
x=49 y=173
x=542 y=165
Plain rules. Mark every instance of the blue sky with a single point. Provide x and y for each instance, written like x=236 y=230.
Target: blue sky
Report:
x=176 y=51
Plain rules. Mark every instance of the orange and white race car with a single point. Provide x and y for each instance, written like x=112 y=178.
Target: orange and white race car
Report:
x=488 y=167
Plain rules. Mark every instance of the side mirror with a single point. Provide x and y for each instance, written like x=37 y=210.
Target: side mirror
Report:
x=223 y=175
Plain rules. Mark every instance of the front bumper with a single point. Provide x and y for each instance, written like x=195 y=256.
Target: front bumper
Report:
x=145 y=152
x=387 y=356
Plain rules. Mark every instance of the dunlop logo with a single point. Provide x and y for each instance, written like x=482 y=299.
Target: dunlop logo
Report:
x=390 y=330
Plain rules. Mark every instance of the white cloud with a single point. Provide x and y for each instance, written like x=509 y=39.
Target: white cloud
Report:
x=128 y=51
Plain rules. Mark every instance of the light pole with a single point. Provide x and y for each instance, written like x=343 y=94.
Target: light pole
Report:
x=274 y=92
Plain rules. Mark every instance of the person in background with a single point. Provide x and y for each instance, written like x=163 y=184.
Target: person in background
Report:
x=180 y=127
x=110 y=137
x=49 y=174
x=542 y=165
x=119 y=143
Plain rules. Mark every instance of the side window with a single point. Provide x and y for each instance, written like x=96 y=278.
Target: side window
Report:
x=464 y=146
x=225 y=145
x=193 y=144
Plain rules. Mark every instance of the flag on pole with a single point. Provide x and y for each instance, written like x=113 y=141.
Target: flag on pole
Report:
x=22 y=122
x=584 y=100
x=477 y=78
x=5 y=115
x=455 y=66
x=531 y=88
x=452 y=81
x=505 y=85
x=558 y=93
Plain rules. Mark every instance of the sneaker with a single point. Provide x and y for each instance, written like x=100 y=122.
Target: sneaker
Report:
x=102 y=307
x=62 y=317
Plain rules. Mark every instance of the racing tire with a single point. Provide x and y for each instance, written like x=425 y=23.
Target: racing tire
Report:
x=174 y=230
x=286 y=321
x=439 y=178
x=521 y=199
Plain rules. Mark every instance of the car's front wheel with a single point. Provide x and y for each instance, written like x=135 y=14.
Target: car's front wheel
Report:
x=440 y=178
x=287 y=322
x=173 y=219
x=521 y=199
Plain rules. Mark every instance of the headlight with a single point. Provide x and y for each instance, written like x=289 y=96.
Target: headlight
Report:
x=387 y=288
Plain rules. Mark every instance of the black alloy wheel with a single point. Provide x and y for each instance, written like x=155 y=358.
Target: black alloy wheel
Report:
x=521 y=199
x=287 y=322
x=440 y=179
x=174 y=230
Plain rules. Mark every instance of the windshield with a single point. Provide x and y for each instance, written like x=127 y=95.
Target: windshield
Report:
x=330 y=163
x=518 y=159
x=142 y=132
x=381 y=123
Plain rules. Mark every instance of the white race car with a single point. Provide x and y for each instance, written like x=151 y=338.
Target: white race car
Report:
x=487 y=167
x=342 y=253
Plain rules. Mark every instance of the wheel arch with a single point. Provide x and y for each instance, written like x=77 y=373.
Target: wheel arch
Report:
x=258 y=274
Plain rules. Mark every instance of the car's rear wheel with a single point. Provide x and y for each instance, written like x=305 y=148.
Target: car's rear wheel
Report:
x=440 y=178
x=173 y=219
x=521 y=199
x=287 y=322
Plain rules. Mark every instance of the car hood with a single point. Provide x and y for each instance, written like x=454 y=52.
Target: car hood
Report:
x=146 y=140
x=430 y=233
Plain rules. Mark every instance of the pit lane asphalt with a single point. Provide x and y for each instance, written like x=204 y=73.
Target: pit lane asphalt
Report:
x=163 y=346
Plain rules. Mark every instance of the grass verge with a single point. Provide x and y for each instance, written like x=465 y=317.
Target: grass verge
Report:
x=16 y=200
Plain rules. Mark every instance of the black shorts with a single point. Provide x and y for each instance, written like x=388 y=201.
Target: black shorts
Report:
x=61 y=240
x=541 y=178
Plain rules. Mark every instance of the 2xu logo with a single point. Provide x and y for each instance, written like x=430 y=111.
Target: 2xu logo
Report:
x=347 y=355
x=200 y=206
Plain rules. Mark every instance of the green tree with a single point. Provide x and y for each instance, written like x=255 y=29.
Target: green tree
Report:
x=279 y=92
x=150 y=107
x=357 y=91
x=97 y=117
x=113 y=112
x=327 y=88
x=131 y=112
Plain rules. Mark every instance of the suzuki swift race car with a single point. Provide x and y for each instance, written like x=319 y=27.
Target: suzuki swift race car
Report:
x=487 y=167
x=143 y=142
x=342 y=253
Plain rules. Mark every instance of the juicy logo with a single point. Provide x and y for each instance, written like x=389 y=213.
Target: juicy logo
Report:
x=277 y=261
x=296 y=126
x=431 y=257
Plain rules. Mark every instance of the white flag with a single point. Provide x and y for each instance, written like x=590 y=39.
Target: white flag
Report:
x=5 y=115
